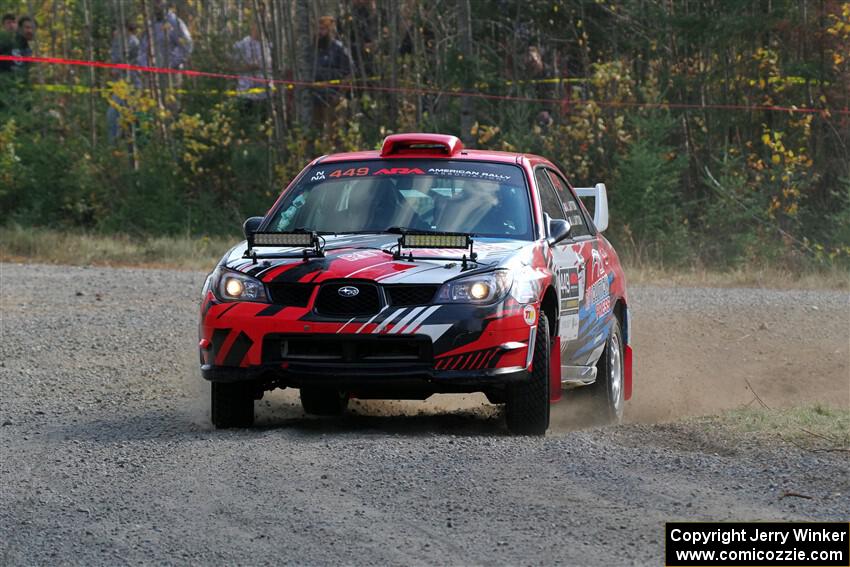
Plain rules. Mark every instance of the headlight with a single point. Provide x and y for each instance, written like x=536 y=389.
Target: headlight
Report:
x=234 y=286
x=481 y=288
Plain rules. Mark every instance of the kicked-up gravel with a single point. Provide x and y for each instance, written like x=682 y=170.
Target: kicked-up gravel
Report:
x=107 y=456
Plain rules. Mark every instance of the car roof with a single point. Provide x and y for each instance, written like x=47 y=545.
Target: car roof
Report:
x=429 y=146
x=463 y=155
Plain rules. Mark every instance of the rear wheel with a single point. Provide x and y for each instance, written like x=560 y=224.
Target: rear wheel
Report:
x=607 y=393
x=231 y=405
x=323 y=401
x=527 y=403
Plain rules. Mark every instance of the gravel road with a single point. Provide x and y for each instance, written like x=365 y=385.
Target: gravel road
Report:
x=107 y=455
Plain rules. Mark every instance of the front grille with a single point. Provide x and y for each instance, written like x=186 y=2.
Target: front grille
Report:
x=290 y=294
x=329 y=302
x=334 y=348
x=410 y=294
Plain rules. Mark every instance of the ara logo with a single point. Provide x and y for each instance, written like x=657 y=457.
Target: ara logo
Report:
x=348 y=291
x=320 y=176
x=400 y=171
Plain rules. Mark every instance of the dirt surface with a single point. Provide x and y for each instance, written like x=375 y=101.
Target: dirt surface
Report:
x=107 y=455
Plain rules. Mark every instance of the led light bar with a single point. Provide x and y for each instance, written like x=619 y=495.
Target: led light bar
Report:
x=414 y=240
x=299 y=239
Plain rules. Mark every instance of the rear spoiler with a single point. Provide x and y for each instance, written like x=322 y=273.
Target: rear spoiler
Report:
x=600 y=204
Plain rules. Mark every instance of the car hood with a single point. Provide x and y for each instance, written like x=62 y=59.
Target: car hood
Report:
x=369 y=257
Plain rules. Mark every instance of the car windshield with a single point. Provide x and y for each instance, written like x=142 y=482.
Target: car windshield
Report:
x=480 y=198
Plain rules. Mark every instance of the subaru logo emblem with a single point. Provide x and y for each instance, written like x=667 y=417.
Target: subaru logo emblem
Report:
x=348 y=291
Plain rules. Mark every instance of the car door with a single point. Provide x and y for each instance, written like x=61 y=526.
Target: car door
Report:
x=585 y=315
x=569 y=266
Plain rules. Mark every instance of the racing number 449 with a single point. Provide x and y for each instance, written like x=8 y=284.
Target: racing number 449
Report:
x=419 y=269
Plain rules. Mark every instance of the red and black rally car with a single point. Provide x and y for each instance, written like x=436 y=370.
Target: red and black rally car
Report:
x=418 y=269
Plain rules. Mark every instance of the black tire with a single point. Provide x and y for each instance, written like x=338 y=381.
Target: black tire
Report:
x=495 y=397
x=606 y=394
x=527 y=403
x=231 y=405
x=323 y=401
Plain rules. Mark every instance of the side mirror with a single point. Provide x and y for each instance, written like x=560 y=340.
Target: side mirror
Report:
x=559 y=229
x=600 y=204
x=251 y=225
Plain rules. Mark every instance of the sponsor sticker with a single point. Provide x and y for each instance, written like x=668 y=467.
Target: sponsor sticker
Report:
x=468 y=173
x=570 y=282
x=599 y=292
x=529 y=313
x=360 y=255
x=399 y=171
x=568 y=327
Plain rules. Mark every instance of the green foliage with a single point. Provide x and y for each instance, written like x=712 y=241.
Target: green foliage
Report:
x=688 y=183
x=648 y=202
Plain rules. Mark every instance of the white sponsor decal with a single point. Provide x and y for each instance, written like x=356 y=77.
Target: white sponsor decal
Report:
x=360 y=255
x=568 y=328
x=320 y=176
x=599 y=291
x=468 y=173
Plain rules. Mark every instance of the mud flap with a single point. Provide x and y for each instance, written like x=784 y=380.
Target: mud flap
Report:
x=555 y=371
x=627 y=374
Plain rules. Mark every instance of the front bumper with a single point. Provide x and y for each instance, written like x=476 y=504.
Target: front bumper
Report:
x=366 y=376
x=464 y=345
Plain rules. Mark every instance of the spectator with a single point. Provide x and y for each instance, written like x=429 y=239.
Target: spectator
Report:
x=253 y=59
x=9 y=23
x=124 y=50
x=537 y=74
x=332 y=63
x=18 y=44
x=172 y=45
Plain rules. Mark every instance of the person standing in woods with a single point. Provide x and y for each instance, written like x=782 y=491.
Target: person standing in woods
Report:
x=14 y=75
x=124 y=50
x=253 y=60
x=18 y=45
x=167 y=43
x=332 y=63
x=10 y=25
x=541 y=89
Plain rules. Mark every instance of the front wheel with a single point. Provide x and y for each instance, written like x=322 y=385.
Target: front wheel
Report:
x=527 y=403
x=231 y=405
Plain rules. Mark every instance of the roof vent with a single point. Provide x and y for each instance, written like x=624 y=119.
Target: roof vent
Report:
x=421 y=145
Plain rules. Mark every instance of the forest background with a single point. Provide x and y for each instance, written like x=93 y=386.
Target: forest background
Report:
x=721 y=127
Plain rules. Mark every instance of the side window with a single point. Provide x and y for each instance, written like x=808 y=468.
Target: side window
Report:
x=548 y=199
x=571 y=206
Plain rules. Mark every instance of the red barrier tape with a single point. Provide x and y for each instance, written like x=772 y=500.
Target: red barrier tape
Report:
x=825 y=112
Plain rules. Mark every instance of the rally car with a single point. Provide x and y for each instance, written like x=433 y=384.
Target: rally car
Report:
x=418 y=269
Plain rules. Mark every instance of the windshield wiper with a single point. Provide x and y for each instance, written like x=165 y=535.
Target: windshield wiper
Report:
x=319 y=232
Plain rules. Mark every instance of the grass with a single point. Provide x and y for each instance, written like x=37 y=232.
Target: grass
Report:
x=813 y=427
x=56 y=247
x=754 y=276
x=201 y=253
